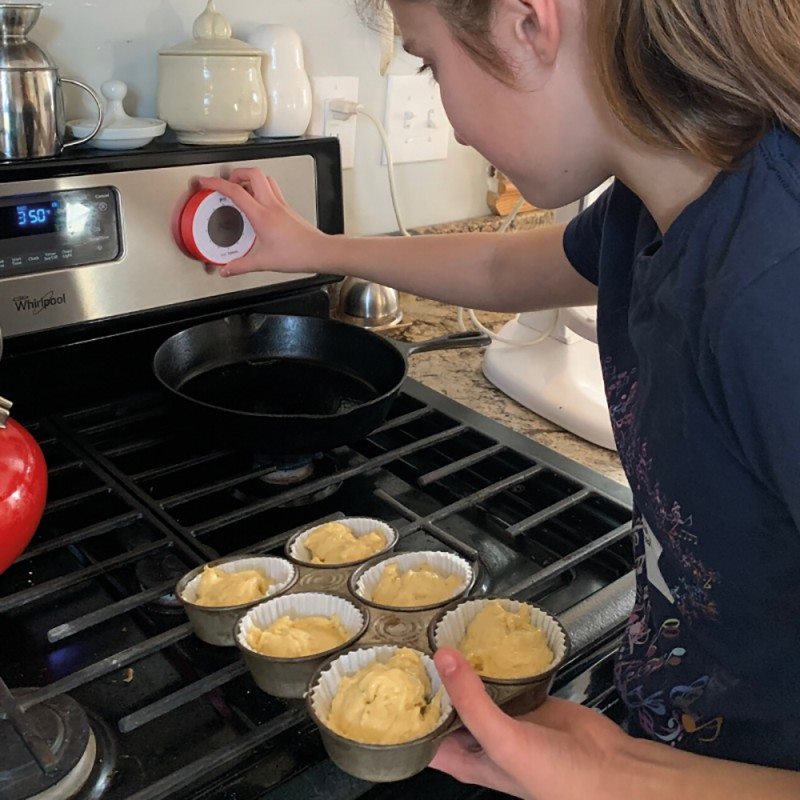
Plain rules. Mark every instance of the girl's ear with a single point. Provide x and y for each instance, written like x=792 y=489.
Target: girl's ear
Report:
x=535 y=25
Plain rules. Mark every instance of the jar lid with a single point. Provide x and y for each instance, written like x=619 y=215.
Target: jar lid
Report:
x=119 y=131
x=212 y=37
x=117 y=125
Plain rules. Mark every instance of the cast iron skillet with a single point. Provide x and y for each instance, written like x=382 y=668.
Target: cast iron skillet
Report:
x=282 y=384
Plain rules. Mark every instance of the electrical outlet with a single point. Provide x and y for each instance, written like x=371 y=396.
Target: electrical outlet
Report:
x=323 y=123
x=416 y=124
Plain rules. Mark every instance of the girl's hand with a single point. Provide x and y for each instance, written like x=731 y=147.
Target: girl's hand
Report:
x=285 y=242
x=561 y=751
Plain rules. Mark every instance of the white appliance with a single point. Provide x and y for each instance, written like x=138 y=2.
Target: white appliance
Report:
x=560 y=378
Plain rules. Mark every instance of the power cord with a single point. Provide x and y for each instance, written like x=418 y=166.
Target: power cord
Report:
x=344 y=109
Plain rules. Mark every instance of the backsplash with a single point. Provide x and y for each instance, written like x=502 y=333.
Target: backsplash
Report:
x=95 y=40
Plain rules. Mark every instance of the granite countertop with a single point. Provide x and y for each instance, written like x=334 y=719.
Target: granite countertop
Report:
x=524 y=221
x=457 y=373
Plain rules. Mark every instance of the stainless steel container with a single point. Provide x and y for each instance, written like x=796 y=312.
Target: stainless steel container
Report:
x=32 y=120
x=368 y=305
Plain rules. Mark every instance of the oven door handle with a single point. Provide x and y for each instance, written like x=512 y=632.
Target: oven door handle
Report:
x=600 y=614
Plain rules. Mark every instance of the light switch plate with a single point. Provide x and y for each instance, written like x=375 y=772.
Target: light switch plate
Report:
x=323 y=123
x=415 y=122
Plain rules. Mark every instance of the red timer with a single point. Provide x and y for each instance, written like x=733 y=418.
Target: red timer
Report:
x=214 y=229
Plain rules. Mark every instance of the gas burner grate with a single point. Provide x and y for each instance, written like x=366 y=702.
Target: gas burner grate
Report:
x=129 y=492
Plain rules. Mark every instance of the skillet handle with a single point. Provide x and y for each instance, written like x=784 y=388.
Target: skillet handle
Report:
x=450 y=342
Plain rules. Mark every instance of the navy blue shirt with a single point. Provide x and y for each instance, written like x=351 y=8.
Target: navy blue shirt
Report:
x=699 y=334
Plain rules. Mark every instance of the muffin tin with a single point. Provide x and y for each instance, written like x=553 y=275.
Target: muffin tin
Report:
x=383 y=626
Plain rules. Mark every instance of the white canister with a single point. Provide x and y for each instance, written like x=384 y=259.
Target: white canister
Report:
x=210 y=89
x=288 y=86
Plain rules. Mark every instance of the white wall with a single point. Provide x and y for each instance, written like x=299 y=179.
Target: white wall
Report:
x=95 y=40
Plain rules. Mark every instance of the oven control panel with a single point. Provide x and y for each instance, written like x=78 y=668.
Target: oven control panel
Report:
x=99 y=237
x=52 y=230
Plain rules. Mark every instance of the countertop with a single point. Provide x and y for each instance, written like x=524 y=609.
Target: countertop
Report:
x=457 y=373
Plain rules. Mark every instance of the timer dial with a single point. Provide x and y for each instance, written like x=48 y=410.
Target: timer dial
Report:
x=213 y=228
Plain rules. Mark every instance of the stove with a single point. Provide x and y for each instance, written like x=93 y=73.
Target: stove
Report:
x=104 y=690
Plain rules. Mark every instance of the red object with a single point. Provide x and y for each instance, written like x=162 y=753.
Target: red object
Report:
x=23 y=490
x=187 y=223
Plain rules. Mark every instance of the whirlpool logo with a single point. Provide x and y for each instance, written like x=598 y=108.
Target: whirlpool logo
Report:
x=35 y=305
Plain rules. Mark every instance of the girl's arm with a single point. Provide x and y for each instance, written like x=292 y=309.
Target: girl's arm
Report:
x=496 y=272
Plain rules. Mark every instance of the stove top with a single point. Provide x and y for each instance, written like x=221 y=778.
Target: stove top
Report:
x=87 y=614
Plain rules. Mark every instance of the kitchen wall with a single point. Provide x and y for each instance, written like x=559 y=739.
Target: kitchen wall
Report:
x=95 y=40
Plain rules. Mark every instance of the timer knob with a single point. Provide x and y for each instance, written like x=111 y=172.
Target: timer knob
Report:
x=214 y=229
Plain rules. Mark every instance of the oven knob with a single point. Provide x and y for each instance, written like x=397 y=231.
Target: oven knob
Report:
x=213 y=229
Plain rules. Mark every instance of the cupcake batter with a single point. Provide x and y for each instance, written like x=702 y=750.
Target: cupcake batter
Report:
x=386 y=703
x=220 y=588
x=295 y=638
x=335 y=543
x=422 y=586
x=502 y=644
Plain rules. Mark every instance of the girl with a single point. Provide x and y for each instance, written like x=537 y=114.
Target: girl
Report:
x=693 y=257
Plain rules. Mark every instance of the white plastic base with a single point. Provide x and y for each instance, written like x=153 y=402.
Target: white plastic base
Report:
x=560 y=382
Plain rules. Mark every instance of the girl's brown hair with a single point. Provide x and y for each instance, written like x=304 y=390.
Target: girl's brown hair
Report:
x=708 y=77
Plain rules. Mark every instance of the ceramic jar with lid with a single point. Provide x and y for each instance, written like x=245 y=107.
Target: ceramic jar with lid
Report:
x=286 y=80
x=210 y=89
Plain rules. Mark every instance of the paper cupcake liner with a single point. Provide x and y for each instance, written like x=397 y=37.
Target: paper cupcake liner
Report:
x=321 y=694
x=446 y=564
x=452 y=628
x=281 y=572
x=302 y=604
x=359 y=525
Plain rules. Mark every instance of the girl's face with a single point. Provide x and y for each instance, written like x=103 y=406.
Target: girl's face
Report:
x=547 y=130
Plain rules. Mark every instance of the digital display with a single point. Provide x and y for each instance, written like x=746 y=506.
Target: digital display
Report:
x=29 y=219
x=57 y=230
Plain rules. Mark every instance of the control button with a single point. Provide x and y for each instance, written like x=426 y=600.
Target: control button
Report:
x=34 y=259
x=2 y=263
x=16 y=261
x=102 y=195
x=66 y=253
x=51 y=256
x=213 y=229
x=97 y=230
x=103 y=206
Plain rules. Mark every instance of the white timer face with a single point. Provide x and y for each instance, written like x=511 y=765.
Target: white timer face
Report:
x=214 y=229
